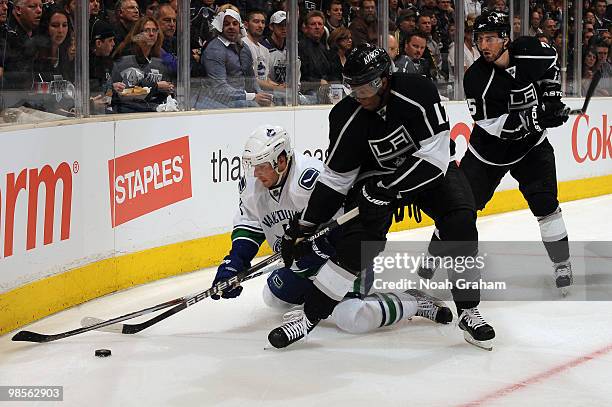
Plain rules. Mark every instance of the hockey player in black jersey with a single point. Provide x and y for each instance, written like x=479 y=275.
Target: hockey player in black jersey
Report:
x=389 y=147
x=514 y=94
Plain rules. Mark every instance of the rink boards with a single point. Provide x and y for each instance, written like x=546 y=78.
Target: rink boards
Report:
x=95 y=206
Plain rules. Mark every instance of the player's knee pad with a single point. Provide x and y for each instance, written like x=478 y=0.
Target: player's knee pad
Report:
x=542 y=204
x=287 y=286
x=356 y=316
x=552 y=226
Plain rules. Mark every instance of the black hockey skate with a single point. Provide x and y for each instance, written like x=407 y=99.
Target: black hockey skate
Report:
x=295 y=327
x=427 y=268
x=563 y=276
x=431 y=307
x=476 y=331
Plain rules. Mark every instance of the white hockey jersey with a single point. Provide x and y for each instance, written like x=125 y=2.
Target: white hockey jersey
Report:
x=265 y=212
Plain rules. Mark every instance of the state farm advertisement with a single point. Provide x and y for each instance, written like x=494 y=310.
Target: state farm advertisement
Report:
x=52 y=205
x=149 y=179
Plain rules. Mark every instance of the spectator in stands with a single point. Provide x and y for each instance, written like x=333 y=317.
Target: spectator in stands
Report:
x=472 y=7
x=589 y=65
x=445 y=16
x=255 y=24
x=470 y=51
x=275 y=43
x=315 y=67
x=405 y=23
x=166 y=17
x=543 y=38
x=589 y=17
x=144 y=69
x=549 y=26
x=393 y=12
x=127 y=13
x=340 y=43
x=18 y=48
x=601 y=22
x=428 y=6
x=228 y=63
x=94 y=11
x=365 y=26
x=534 y=23
x=412 y=61
x=603 y=64
x=393 y=47
x=516 y=27
x=51 y=61
x=432 y=53
x=151 y=8
x=334 y=16
x=101 y=65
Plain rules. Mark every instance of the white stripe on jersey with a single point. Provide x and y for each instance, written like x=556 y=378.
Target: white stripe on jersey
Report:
x=348 y=122
x=481 y=158
x=493 y=126
x=404 y=175
x=421 y=184
x=484 y=103
x=412 y=102
x=340 y=182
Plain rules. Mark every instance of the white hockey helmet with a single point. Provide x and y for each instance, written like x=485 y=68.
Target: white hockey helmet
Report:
x=265 y=145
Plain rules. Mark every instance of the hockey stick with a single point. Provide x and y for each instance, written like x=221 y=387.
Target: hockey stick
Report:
x=130 y=329
x=120 y=328
x=178 y=303
x=587 y=97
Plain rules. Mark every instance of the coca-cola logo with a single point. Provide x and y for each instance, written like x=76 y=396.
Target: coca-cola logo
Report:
x=591 y=143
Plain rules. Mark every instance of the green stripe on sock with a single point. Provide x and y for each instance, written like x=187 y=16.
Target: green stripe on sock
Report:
x=392 y=309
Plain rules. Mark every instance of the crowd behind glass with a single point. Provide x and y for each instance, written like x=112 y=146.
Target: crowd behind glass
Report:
x=240 y=51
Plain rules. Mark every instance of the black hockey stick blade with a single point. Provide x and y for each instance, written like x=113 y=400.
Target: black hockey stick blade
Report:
x=29 y=336
x=253 y=272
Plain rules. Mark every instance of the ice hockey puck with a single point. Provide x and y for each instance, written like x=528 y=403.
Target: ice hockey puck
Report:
x=103 y=353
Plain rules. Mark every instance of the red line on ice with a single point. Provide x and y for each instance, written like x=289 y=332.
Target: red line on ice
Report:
x=504 y=391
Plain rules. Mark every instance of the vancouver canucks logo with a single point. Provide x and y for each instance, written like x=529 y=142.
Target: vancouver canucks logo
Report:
x=271 y=133
x=276 y=247
x=308 y=178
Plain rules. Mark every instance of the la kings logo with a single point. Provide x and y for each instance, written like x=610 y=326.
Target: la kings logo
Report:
x=391 y=150
x=521 y=99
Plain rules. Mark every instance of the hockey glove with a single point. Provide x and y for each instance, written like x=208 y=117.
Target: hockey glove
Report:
x=541 y=117
x=229 y=268
x=311 y=255
x=375 y=203
x=290 y=249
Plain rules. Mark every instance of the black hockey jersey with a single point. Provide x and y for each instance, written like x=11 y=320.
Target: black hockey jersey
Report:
x=495 y=96
x=406 y=145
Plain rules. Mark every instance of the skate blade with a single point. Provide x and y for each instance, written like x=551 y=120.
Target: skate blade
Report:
x=486 y=345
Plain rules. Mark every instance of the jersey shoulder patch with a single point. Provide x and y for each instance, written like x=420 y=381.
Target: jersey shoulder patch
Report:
x=308 y=178
x=242 y=184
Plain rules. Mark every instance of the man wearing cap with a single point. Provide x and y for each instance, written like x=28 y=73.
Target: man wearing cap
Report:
x=228 y=62
x=100 y=62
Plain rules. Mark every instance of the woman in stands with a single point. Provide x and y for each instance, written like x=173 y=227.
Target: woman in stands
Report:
x=139 y=67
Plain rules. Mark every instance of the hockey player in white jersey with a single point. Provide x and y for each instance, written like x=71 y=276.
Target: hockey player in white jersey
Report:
x=277 y=184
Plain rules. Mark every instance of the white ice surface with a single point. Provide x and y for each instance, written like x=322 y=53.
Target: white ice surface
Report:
x=546 y=353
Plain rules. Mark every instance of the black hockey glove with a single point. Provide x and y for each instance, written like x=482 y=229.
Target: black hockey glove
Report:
x=541 y=117
x=290 y=248
x=375 y=203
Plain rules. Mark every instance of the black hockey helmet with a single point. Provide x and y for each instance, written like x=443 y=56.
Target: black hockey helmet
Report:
x=492 y=21
x=364 y=64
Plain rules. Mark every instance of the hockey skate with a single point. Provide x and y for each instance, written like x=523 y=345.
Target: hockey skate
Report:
x=431 y=307
x=295 y=327
x=476 y=331
x=563 y=276
x=427 y=268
